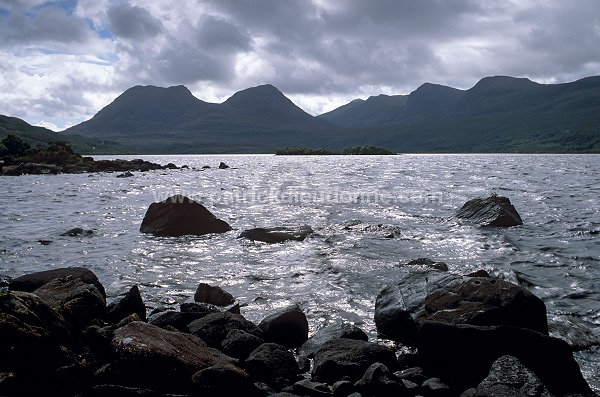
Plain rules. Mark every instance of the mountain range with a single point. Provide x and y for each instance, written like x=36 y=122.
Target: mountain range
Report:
x=498 y=114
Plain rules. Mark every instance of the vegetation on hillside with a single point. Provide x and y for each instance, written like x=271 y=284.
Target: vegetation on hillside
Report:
x=354 y=150
x=15 y=150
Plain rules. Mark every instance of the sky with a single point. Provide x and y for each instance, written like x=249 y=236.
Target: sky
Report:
x=62 y=61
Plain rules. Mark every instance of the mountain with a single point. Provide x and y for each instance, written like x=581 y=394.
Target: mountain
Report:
x=41 y=136
x=498 y=114
x=151 y=119
x=376 y=110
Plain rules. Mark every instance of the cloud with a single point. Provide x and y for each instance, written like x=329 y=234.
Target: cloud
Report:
x=68 y=58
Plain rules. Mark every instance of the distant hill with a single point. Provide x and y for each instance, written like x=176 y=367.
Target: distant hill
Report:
x=36 y=136
x=498 y=114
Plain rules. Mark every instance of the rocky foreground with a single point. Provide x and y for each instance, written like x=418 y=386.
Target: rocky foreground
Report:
x=453 y=336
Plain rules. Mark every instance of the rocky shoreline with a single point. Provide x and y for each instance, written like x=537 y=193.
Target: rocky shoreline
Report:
x=441 y=334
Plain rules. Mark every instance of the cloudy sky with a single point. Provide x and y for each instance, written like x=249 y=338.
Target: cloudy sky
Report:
x=61 y=61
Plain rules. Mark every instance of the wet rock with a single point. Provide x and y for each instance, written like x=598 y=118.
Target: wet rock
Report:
x=578 y=334
x=78 y=231
x=206 y=293
x=427 y=263
x=484 y=301
x=349 y=358
x=239 y=344
x=288 y=327
x=179 y=216
x=273 y=364
x=335 y=331
x=32 y=281
x=491 y=211
x=398 y=304
x=127 y=174
x=379 y=381
x=377 y=229
x=131 y=303
x=149 y=356
x=175 y=319
x=461 y=355
x=213 y=328
x=508 y=377
x=307 y=387
x=223 y=166
x=225 y=380
x=81 y=304
x=435 y=387
x=276 y=234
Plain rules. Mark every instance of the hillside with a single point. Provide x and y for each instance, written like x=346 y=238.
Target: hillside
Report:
x=36 y=136
x=498 y=114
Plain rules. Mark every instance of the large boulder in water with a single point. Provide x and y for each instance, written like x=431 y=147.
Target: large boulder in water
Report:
x=491 y=211
x=178 y=216
x=32 y=281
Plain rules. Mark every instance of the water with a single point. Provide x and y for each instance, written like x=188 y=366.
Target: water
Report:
x=336 y=273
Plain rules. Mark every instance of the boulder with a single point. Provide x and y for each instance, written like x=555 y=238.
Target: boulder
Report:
x=149 y=356
x=273 y=364
x=239 y=344
x=276 y=234
x=349 y=358
x=131 y=303
x=206 y=293
x=461 y=355
x=223 y=166
x=225 y=380
x=213 y=328
x=398 y=304
x=426 y=264
x=508 y=377
x=81 y=304
x=127 y=174
x=484 y=301
x=175 y=319
x=78 y=231
x=325 y=334
x=491 y=211
x=307 y=387
x=288 y=327
x=179 y=216
x=379 y=381
x=32 y=281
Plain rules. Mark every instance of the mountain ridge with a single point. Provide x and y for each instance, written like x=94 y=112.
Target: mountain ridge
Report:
x=499 y=113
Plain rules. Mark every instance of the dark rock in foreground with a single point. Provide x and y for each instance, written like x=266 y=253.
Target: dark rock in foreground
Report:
x=276 y=234
x=288 y=327
x=179 y=216
x=490 y=211
x=131 y=303
x=217 y=296
x=32 y=281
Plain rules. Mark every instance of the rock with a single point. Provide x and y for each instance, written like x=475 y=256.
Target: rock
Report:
x=427 y=263
x=239 y=344
x=149 y=356
x=484 y=301
x=288 y=327
x=479 y=273
x=131 y=303
x=307 y=387
x=276 y=234
x=214 y=295
x=378 y=381
x=377 y=229
x=78 y=231
x=177 y=320
x=81 y=304
x=171 y=166
x=223 y=166
x=461 y=355
x=179 y=216
x=31 y=282
x=273 y=364
x=213 y=328
x=225 y=380
x=35 y=341
x=578 y=334
x=350 y=358
x=343 y=388
x=335 y=331
x=435 y=387
x=398 y=304
x=127 y=174
x=508 y=377
x=490 y=211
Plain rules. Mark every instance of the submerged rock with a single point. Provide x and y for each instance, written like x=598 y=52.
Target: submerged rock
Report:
x=490 y=211
x=276 y=234
x=179 y=216
x=77 y=231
